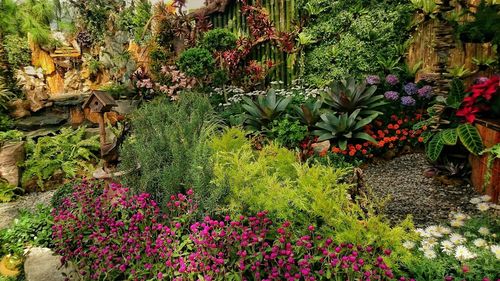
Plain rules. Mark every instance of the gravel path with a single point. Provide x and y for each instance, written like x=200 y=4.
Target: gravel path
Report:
x=9 y=211
x=402 y=180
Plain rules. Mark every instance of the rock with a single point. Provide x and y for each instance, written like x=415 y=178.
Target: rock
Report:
x=43 y=265
x=321 y=146
x=125 y=107
x=9 y=211
x=19 y=108
x=11 y=155
x=76 y=116
x=37 y=122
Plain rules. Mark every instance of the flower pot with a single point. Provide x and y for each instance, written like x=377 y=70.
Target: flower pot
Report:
x=490 y=133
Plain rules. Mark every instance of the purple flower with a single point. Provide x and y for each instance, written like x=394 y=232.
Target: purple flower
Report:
x=392 y=79
x=411 y=88
x=425 y=92
x=372 y=79
x=407 y=101
x=391 y=95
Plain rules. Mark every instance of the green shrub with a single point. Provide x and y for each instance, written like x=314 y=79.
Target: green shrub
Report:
x=7 y=191
x=11 y=135
x=349 y=36
x=272 y=179
x=30 y=229
x=196 y=62
x=287 y=132
x=169 y=147
x=17 y=50
x=68 y=152
x=219 y=39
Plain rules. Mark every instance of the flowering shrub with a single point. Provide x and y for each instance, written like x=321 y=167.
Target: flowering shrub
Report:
x=116 y=236
x=468 y=249
x=482 y=97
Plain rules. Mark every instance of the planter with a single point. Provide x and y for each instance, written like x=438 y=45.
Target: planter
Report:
x=490 y=133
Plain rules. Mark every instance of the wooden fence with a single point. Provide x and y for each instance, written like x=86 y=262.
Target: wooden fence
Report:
x=282 y=14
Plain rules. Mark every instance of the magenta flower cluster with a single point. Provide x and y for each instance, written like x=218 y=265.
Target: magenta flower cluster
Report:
x=113 y=235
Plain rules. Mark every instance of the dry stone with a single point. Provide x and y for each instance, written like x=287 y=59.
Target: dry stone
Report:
x=43 y=265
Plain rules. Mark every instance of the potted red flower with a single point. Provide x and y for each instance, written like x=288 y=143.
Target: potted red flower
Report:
x=481 y=106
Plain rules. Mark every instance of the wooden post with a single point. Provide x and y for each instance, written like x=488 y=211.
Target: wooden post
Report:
x=102 y=132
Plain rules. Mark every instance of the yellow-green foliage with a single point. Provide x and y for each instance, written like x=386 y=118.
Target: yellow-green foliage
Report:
x=273 y=179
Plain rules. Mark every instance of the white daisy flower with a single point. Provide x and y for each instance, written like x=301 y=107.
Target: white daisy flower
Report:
x=457 y=223
x=480 y=243
x=409 y=245
x=433 y=230
x=485 y=198
x=462 y=253
x=484 y=231
x=457 y=239
x=429 y=243
x=476 y=200
x=483 y=206
x=443 y=230
x=422 y=233
x=460 y=216
x=495 y=249
x=430 y=254
x=447 y=247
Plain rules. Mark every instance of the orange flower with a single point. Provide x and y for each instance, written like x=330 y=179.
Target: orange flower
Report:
x=335 y=149
x=390 y=126
x=424 y=127
x=420 y=139
x=352 y=152
x=402 y=138
x=381 y=143
x=398 y=132
x=344 y=152
x=396 y=126
x=358 y=146
x=364 y=151
x=394 y=138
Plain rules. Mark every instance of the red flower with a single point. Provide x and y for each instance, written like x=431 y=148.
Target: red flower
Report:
x=469 y=113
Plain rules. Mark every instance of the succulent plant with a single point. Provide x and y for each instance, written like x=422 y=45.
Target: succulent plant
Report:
x=309 y=112
x=343 y=128
x=263 y=111
x=347 y=96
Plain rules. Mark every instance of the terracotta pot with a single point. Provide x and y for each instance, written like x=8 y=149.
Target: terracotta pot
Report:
x=490 y=133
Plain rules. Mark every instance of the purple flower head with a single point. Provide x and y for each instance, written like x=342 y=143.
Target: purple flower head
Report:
x=372 y=79
x=425 y=92
x=411 y=88
x=391 y=95
x=392 y=79
x=408 y=101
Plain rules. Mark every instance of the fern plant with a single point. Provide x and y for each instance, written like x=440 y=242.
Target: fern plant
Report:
x=68 y=152
x=445 y=128
x=7 y=191
x=5 y=94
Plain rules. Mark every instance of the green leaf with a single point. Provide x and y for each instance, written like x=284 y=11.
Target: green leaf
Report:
x=470 y=138
x=449 y=136
x=434 y=148
x=457 y=93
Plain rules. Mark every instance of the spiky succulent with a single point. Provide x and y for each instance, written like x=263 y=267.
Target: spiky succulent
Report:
x=347 y=96
x=261 y=112
x=340 y=129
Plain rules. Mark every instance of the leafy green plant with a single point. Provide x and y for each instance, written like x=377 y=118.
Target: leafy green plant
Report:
x=219 y=39
x=484 y=27
x=428 y=7
x=30 y=229
x=309 y=112
x=343 y=128
x=459 y=72
x=7 y=191
x=67 y=152
x=17 y=50
x=5 y=94
x=493 y=154
x=11 y=135
x=168 y=152
x=196 y=62
x=347 y=96
x=484 y=62
x=288 y=132
x=5 y=122
x=134 y=18
x=444 y=126
x=263 y=111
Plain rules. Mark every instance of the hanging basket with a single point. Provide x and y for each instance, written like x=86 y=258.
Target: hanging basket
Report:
x=490 y=133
